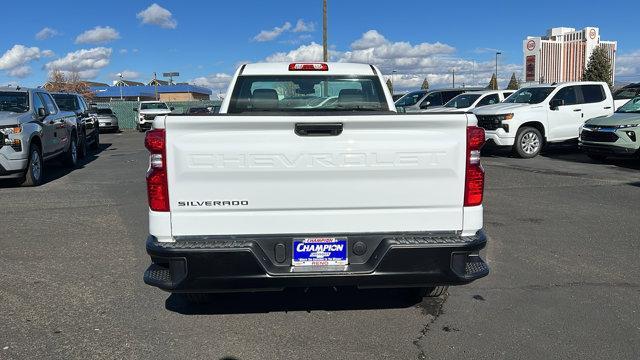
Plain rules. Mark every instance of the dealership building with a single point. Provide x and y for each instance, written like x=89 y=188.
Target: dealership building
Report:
x=563 y=54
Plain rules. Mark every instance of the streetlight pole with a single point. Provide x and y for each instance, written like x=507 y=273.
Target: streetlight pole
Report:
x=497 y=53
x=121 y=84
x=325 y=53
x=393 y=80
x=453 y=81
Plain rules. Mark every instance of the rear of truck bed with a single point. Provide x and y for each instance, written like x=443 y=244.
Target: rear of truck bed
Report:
x=246 y=202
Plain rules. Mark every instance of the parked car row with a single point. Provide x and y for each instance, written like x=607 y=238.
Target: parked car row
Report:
x=528 y=119
x=37 y=126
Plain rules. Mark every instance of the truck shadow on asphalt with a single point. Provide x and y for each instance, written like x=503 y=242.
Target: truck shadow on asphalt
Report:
x=323 y=299
x=56 y=169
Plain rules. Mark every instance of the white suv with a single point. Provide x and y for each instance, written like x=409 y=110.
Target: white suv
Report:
x=543 y=113
x=147 y=112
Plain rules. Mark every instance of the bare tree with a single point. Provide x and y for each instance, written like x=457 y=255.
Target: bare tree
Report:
x=71 y=82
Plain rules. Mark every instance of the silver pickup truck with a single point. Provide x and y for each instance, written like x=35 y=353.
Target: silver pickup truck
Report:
x=33 y=130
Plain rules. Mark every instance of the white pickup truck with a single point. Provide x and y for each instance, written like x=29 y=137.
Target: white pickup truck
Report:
x=274 y=192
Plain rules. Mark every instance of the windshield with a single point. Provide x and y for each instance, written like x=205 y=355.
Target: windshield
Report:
x=104 y=112
x=153 y=106
x=14 y=101
x=625 y=94
x=633 y=106
x=411 y=98
x=534 y=95
x=462 y=101
x=66 y=102
x=279 y=93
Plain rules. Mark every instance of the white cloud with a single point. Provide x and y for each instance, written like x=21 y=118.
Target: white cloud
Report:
x=302 y=26
x=19 y=55
x=46 y=33
x=218 y=81
x=98 y=35
x=20 y=71
x=370 y=39
x=310 y=52
x=268 y=35
x=123 y=51
x=16 y=60
x=628 y=66
x=86 y=62
x=412 y=62
x=157 y=15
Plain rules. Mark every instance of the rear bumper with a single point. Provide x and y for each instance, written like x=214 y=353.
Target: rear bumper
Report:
x=609 y=149
x=252 y=263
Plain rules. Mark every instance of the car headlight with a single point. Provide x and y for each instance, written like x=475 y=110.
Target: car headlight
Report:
x=503 y=117
x=627 y=126
x=12 y=129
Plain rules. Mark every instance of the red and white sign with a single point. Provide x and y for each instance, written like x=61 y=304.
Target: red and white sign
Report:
x=592 y=33
x=531 y=45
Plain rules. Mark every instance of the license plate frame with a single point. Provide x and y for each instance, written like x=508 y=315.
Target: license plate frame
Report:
x=320 y=251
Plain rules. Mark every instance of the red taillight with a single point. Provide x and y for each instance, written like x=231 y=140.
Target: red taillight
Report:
x=308 y=67
x=474 y=176
x=157 y=187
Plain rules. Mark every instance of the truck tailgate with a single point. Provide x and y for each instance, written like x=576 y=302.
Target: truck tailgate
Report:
x=233 y=174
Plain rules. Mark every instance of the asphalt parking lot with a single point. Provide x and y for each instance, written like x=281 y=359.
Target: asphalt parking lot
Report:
x=564 y=247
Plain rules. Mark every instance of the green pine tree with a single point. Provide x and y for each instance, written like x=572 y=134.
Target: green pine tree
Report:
x=493 y=83
x=513 y=83
x=599 y=66
x=425 y=84
x=390 y=86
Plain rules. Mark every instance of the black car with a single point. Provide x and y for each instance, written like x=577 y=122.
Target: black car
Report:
x=87 y=123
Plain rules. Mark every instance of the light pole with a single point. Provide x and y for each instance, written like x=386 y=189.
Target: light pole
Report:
x=393 y=79
x=453 y=75
x=497 y=53
x=121 y=84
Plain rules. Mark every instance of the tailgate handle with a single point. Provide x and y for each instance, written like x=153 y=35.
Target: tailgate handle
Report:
x=310 y=129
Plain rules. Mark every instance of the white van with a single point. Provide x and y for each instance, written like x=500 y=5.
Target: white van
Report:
x=543 y=113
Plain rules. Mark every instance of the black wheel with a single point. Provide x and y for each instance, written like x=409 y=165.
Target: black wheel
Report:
x=596 y=157
x=35 y=168
x=71 y=156
x=197 y=298
x=96 y=141
x=528 y=142
x=82 y=146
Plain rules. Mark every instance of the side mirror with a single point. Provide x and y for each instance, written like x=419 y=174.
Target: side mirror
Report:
x=172 y=108
x=42 y=113
x=135 y=109
x=425 y=104
x=554 y=104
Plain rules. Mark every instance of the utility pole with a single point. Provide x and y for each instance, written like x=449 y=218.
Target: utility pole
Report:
x=393 y=79
x=453 y=73
x=325 y=54
x=121 y=85
x=155 y=83
x=497 y=53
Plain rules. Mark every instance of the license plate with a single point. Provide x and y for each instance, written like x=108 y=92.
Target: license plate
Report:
x=319 y=251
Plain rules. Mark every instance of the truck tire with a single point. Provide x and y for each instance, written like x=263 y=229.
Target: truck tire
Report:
x=417 y=294
x=82 y=146
x=596 y=157
x=96 y=141
x=35 y=168
x=528 y=142
x=71 y=156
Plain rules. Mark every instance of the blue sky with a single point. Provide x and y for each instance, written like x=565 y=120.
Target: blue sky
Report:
x=205 y=40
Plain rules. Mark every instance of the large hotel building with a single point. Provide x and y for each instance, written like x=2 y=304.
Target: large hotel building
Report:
x=563 y=54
